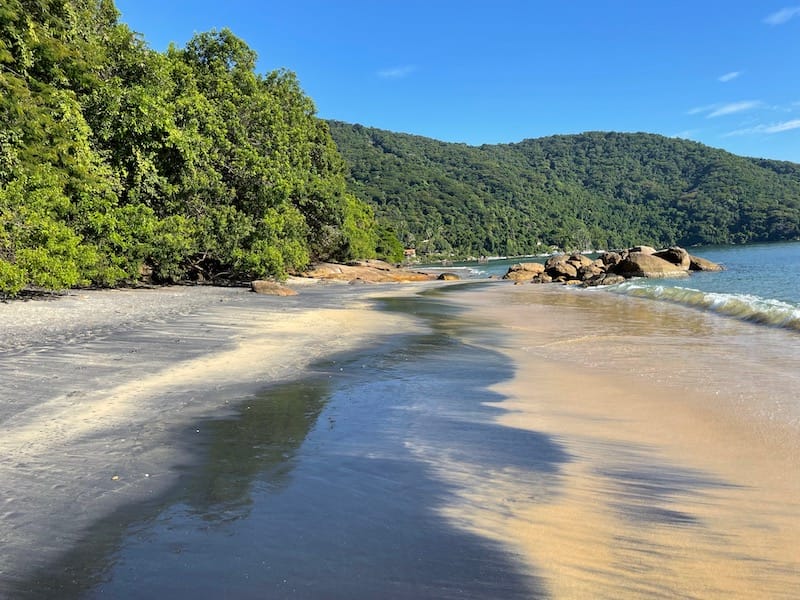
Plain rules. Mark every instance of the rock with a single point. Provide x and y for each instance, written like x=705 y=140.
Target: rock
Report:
x=370 y=271
x=603 y=279
x=448 y=277
x=563 y=269
x=518 y=275
x=523 y=271
x=638 y=264
x=643 y=249
x=271 y=288
x=701 y=264
x=676 y=255
x=610 y=259
x=373 y=263
x=555 y=260
x=542 y=278
x=531 y=267
x=589 y=271
x=579 y=260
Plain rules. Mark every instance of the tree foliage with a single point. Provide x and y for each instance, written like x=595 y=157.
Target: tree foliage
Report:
x=117 y=160
x=594 y=190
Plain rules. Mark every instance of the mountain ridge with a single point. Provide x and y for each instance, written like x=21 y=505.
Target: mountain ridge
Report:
x=573 y=191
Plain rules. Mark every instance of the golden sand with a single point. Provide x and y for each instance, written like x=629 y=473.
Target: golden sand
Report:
x=680 y=482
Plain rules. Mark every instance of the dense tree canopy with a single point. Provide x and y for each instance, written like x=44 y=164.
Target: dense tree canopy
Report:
x=594 y=190
x=116 y=160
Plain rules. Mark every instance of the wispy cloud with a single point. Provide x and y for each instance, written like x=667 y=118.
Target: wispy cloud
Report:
x=397 y=72
x=734 y=107
x=729 y=76
x=783 y=15
x=720 y=110
x=785 y=126
x=770 y=129
x=701 y=109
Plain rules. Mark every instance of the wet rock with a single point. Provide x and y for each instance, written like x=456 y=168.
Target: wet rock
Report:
x=701 y=264
x=676 y=255
x=448 y=277
x=638 y=264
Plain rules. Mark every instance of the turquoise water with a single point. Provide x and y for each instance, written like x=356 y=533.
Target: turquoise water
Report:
x=761 y=283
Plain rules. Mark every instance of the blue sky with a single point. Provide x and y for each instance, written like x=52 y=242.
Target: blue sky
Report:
x=724 y=73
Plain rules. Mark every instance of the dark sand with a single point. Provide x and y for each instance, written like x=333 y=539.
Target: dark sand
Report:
x=95 y=383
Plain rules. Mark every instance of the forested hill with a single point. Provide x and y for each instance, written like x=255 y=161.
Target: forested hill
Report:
x=118 y=161
x=593 y=190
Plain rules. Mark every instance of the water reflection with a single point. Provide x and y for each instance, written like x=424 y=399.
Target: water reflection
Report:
x=259 y=442
x=331 y=487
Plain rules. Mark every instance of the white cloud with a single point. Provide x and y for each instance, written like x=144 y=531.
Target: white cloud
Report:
x=783 y=15
x=397 y=72
x=701 y=109
x=770 y=129
x=719 y=110
x=733 y=107
x=785 y=126
x=729 y=76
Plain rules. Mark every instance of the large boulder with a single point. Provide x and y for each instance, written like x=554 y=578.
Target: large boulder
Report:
x=271 y=288
x=676 y=255
x=370 y=271
x=579 y=260
x=524 y=271
x=701 y=264
x=603 y=279
x=643 y=249
x=555 y=260
x=542 y=278
x=564 y=270
x=639 y=264
x=610 y=259
x=588 y=271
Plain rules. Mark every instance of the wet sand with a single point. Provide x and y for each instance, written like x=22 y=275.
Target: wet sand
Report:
x=512 y=441
x=96 y=386
x=684 y=439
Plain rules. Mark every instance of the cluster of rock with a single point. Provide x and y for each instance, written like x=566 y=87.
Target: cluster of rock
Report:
x=356 y=272
x=611 y=267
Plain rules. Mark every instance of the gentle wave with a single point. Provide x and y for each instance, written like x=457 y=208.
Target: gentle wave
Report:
x=754 y=309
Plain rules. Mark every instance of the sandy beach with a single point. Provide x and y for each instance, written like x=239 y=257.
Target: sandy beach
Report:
x=683 y=433
x=640 y=449
x=96 y=382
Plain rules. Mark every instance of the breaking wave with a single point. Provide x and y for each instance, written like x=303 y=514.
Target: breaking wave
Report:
x=744 y=307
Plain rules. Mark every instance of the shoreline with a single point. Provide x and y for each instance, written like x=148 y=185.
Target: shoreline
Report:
x=672 y=476
x=679 y=483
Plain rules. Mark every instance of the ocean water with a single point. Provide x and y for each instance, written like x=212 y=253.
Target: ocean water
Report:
x=760 y=284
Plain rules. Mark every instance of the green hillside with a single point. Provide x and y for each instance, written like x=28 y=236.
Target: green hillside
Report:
x=593 y=190
x=117 y=161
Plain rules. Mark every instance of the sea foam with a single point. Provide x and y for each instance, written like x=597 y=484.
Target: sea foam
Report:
x=745 y=307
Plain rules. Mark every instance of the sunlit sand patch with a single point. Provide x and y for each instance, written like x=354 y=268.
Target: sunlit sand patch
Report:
x=669 y=492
